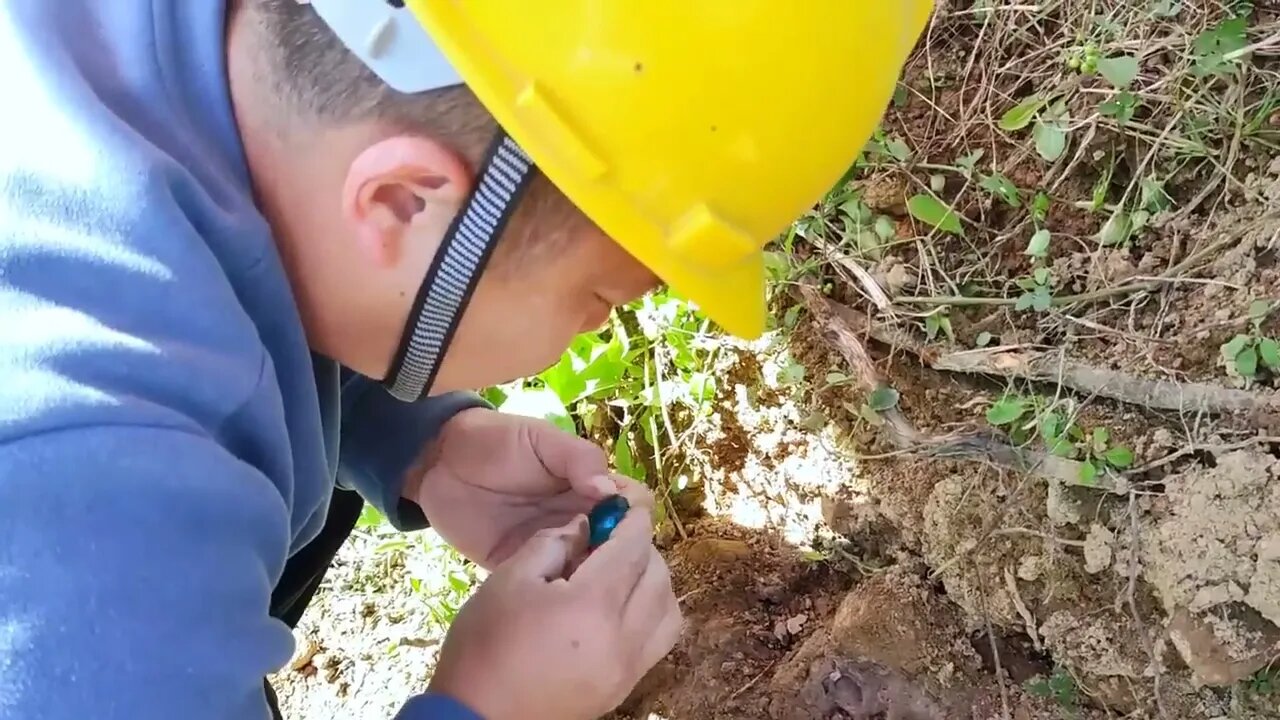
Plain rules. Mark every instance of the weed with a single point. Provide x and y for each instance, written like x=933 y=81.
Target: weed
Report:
x=1028 y=417
x=1059 y=687
x=626 y=381
x=1245 y=354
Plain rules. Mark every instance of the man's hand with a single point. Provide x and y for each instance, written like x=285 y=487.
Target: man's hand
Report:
x=490 y=481
x=554 y=635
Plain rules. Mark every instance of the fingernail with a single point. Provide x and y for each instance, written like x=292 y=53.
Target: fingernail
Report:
x=604 y=484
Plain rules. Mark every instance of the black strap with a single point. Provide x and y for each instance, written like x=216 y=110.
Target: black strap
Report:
x=457 y=267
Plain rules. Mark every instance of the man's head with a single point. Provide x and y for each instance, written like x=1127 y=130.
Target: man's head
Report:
x=361 y=184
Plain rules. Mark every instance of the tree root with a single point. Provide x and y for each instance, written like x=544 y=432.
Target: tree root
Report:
x=979 y=446
x=1024 y=364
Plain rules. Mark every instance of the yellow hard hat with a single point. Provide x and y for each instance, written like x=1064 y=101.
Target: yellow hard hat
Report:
x=692 y=133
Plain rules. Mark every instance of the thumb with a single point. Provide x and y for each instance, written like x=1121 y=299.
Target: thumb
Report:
x=579 y=461
x=550 y=553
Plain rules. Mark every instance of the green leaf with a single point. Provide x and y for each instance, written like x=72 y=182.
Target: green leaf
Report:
x=1019 y=116
x=1050 y=426
x=370 y=517
x=1039 y=244
x=1235 y=346
x=1119 y=457
x=1165 y=8
x=1101 y=436
x=1041 y=276
x=1002 y=187
x=1006 y=411
x=837 y=378
x=883 y=398
x=776 y=266
x=1259 y=309
x=1247 y=363
x=898 y=150
x=885 y=228
x=1153 y=195
x=623 y=459
x=1117 y=230
x=1041 y=299
x=792 y=374
x=1120 y=71
x=1212 y=47
x=1088 y=473
x=931 y=211
x=1063 y=448
x=1269 y=352
x=1122 y=108
x=983 y=340
x=1025 y=302
x=969 y=161
x=1051 y=140
x=1040 y=207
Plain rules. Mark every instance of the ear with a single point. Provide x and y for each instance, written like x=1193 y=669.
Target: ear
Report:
x=397 y=183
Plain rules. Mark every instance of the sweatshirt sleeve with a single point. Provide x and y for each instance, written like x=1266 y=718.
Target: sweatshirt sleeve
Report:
x=381 y=439
x=435 y=707
x=136 y=566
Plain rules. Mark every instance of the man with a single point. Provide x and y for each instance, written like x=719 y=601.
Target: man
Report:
x=251 y=252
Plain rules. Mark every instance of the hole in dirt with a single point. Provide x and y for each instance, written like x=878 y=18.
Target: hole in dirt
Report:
x=1018 y=657
x=1205 y=458
x=1273 y=449
x=1267 y=257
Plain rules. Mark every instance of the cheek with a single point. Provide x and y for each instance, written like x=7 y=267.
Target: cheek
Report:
x=507 y=335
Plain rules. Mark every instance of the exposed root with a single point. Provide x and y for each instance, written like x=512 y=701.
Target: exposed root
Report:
x=1020 y=363
x=904 y=435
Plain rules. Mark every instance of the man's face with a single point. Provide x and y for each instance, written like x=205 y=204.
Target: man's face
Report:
x=534 y=300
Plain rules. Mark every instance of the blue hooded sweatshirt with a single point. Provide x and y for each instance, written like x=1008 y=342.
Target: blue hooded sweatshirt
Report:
x=167 y=440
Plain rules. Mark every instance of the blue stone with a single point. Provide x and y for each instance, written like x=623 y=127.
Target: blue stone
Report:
x=605 y=516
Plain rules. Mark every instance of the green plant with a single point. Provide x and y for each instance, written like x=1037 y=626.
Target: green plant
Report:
x=1264 y=683
x=882 y=399
x=437 y=574
x=931 y=211
x=938 y=321
x=1025 y=417
x=1048 y=119
x=1059 y=687
x=1245 y=354
x=1038 y=291
x=653 y=359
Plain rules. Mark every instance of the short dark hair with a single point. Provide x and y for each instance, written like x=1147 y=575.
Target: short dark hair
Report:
x=320 y=80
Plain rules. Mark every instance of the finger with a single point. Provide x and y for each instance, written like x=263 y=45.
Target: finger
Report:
x=636 y=493
x=662 y=637
x=615 y=568
x=580 y=462
x=550 y=552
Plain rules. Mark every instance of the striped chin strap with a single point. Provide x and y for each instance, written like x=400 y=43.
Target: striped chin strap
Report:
x=456 y=269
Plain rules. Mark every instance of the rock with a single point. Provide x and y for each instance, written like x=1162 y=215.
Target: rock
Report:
x=1102 y=644
x=1226 y=645
x=893 y=620
x=1118 y=267
x=716 y=550
x=1031 y=567
x=1097 y=549
x=796 y=623
x=1063 y=507
x=896 y=278
x=886 y=193
x=1215 y=543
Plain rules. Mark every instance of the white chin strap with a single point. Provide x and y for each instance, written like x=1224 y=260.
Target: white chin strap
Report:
x=390 y=41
